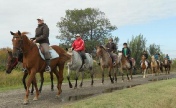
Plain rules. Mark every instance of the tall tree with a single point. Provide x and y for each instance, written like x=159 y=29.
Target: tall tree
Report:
x=153 y=49
x=137 y=45
x=91 y=23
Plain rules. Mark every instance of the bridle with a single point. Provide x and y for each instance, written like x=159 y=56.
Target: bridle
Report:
x=13 y=65
x=19 y=47
x=20 y=42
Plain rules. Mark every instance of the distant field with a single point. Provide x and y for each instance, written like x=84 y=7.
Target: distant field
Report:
x=153 y=95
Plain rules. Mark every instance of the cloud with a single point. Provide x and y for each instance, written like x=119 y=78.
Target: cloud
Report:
x=22 y=15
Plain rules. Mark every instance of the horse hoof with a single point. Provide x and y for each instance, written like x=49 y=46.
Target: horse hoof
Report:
x=32 y=93
x=122 y=80
x=52 y=89
x=35 y=99
x=25 y=102
x=75 y=87
x=58 y=96
x=70 y=86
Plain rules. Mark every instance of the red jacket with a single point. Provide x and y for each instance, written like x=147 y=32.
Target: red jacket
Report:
x=78 y=45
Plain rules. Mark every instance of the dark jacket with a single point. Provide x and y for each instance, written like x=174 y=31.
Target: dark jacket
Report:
x=42 y=34
x=128 y=52
x=146 y=56
x=111 y=47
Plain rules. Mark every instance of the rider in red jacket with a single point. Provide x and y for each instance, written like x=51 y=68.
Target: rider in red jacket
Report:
x=79 y=46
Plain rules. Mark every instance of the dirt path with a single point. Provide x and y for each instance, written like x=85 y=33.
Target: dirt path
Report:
x=47 y=99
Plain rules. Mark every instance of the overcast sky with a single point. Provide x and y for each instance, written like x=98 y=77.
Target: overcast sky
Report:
x=155 y=19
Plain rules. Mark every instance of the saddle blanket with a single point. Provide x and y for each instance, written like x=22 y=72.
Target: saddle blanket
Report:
x=53 y=53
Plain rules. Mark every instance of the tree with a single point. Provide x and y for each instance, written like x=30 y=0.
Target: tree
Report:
x=153 y=49
x=137 y=45
x=91 y=23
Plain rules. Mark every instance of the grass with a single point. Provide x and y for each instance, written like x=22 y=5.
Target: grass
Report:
x=153 y=95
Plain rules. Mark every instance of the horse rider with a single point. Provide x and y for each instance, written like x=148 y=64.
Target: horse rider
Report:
x=146 y=57
x=127 y=52
x=157 y=57
x=111 y=48
x=167 y=57
x=42 y=37
x=79 y=46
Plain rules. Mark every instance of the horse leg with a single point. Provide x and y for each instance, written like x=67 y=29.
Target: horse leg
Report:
x=102 y=75
x=115 y=74
x=82 y=73
x=42 y=80
x=31 y=77
x=127 y=74
x=23 y=80
x=92 y=73
x=122 y=74
x=131 y=71
x=144 y=71
x=110 y=75
x=76 y=78
x=36 y=88
x=60 y=76
x=52 y=84
x=68 y=77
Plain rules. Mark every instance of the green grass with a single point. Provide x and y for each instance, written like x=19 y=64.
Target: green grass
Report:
x=154 y=95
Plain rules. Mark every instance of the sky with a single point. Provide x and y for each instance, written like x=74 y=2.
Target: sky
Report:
x=154 y=19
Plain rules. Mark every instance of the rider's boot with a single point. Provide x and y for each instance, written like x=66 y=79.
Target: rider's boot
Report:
x=48 y=68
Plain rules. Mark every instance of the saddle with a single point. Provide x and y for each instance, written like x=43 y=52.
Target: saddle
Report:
x=53 y=53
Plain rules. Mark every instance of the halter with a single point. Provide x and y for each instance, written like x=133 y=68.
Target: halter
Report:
x=13 y=65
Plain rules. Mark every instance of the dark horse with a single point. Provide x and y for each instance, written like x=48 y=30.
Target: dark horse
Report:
x=166 y=65
x=12 y=62
x=34 y=63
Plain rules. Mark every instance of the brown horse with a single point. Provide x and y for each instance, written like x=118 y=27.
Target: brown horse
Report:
x=12 y=62
x=34 y=63
x=166 y=65
x=144 y=66
x=106 y=62
x=155 y=66
x=125 y=65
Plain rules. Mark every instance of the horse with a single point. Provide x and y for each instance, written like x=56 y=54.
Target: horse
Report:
x=75 y=64
x=34 y=63
x=11 y=64
x=144 y=66
x=166 y=65
x=155 y=66
x=106 y=62
x=125 y=65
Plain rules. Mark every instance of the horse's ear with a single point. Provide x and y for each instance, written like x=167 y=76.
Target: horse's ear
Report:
x=12 y=33
x=19 y=33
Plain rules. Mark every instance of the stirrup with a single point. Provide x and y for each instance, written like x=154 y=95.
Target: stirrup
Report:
x=48 y=69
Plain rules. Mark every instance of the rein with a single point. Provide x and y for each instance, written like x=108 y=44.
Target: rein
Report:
x=14 y=64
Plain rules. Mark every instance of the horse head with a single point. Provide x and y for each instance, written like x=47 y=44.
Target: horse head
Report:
x=17 y=42
x=11 y=62
x=99 y=50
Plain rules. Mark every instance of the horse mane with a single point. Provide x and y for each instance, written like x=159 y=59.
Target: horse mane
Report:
x=25 y=33
x=102 y=47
